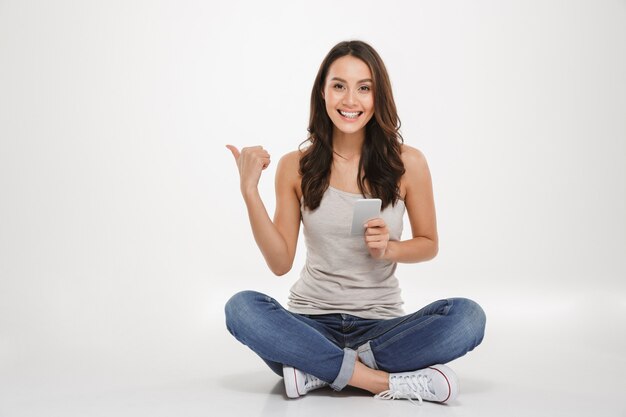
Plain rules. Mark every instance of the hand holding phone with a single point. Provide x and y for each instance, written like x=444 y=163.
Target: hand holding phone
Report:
x=364 y=209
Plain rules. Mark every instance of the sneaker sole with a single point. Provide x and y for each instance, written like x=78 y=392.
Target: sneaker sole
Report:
x=291 y=382
x=451 y=379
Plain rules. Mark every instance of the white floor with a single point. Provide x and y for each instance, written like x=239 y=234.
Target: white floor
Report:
x=570 y=363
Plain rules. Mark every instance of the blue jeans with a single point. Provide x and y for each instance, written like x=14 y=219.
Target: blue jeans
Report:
x=327 y=345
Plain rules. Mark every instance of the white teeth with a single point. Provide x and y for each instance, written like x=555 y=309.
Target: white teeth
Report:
x=350 y=115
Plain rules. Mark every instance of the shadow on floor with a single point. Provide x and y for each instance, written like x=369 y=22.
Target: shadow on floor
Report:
x=255 y=382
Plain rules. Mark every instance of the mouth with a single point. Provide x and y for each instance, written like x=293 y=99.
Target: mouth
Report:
x=351 y=115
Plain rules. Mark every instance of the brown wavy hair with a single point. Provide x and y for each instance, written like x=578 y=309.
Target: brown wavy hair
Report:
x=380 y=163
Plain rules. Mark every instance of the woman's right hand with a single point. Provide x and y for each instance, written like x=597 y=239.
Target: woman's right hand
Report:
x=250 y=162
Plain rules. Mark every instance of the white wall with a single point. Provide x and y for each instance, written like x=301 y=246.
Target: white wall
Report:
x=122 y=230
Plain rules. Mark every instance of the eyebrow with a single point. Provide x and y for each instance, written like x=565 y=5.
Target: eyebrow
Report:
x=360 y=81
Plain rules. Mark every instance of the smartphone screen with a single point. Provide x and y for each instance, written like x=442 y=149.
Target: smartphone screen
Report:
x=364 y=209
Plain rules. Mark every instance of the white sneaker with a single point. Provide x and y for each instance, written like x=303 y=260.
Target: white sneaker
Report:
x=435 y=383
x=298 y=383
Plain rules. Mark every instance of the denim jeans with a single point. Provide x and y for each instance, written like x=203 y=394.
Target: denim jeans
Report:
x=327 y=345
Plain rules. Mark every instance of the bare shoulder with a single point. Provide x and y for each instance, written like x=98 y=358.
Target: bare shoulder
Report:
x=289 y=164
x=287 y=171
x=292 y=157
x=416 y=169
x=412 y=156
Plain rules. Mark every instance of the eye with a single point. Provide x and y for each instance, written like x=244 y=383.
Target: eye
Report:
x=338 y=86
x=365 y=88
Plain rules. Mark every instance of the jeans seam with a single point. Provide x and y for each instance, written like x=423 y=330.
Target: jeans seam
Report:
x=410 y=330
x=360 y=342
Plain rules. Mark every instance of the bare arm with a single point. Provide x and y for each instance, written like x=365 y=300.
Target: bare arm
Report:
x=276 y=240
x=421 y=209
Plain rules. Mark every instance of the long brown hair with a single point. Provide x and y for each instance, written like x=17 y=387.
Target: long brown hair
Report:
x=380 y=160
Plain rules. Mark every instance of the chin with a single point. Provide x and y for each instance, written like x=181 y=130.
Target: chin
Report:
x=350 y=131
x=348 y=127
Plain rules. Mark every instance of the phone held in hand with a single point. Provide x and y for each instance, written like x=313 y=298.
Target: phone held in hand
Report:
x=364 y=209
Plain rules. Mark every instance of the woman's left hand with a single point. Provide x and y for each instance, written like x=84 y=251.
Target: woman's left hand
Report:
x=376 y=237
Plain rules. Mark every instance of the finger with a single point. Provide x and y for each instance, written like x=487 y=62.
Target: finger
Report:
x=254 y=149
x=372 y=238
x=376 y=245
x=377 y=222
x=377 y=238
x=234 y=151
x=376 y=230
x=264 y=162
x=257 y=151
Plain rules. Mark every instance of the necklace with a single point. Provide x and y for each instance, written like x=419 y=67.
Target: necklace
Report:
x=341 y=156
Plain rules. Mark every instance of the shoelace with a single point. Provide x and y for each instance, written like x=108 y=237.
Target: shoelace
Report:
x=312 y=382
x=414 y=386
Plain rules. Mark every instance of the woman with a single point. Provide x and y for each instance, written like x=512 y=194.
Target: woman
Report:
x=345 y=324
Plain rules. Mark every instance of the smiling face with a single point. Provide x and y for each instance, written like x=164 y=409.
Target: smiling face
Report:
x=348 y=94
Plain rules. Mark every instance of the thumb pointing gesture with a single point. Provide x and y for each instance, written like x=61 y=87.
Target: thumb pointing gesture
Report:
x=250 y=162
x=235 y=151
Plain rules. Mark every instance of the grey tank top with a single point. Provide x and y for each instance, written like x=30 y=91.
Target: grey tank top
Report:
x=339 y=275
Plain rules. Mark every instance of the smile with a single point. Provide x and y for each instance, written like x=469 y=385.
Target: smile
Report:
x=350 y=114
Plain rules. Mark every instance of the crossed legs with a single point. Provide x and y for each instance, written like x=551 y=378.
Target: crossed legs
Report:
x=438 y=333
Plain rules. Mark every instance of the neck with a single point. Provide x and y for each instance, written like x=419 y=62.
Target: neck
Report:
x=348 y=145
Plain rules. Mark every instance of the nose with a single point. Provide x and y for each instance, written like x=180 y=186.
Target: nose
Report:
x=349 y=99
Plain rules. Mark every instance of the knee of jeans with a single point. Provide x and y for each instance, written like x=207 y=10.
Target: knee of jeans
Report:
x=474 y=319
x=238 y=307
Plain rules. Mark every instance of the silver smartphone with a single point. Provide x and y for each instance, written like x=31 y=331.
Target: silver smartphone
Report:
x=364 y=209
